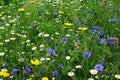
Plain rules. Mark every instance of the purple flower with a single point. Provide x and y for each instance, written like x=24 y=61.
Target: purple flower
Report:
x=103 y=41
x=93 y=31
x=64 y=39
x=60 y=66
x=33 y=25
x=27 y=69
x=109 y=39
x=14 y=70
x=50 y=51
x=95 y=27
x=98 y=67
x=50 y=40
x=113 y=20
x=55 y=73
x=55 y=13
x=87 y=54
x=100 y=33
x=106 y=7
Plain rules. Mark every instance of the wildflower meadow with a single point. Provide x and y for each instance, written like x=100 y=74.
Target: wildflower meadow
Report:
x=59 y=39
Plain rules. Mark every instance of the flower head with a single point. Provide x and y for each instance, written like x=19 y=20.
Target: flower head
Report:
x=98 y=67
x=21 y=9
x=117 y=76
x=60 y=66
x=71 y=73
x=87 y=54
x=35 y=62
x=68 y=24
x=45 y=78
x=64 y=39
x=60 y=12
x=50 y=51
x=82 y=28
x=55 y=73
x=93 y=71
x=27 y=69
x=55 y=13
x=14 y=70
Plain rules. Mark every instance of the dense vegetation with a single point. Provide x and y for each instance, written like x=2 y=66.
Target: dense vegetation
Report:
x=59 y=40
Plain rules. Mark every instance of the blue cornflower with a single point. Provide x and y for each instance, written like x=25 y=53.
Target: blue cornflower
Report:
x=50 y=40
x=103 y=41
x=106 y=7
x=55 y=13
x=50 y=51
x=64 y=39
x=95 y=27
x=98 y=67
x=33 y=25
x=93 y=30
x=113 y=20
x=60 y=66
x=55 y=73
x=14 y=70
x=87 y=54
x=27 y=69
x=100 y=32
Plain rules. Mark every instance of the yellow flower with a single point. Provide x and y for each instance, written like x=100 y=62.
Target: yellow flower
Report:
x=5 y=74
x=35 y=62
x=21 y=9
x=45 y=78
x=93 y=71
x=83 y=28
x=68 y=24
x=1 y=73
x=60 y=12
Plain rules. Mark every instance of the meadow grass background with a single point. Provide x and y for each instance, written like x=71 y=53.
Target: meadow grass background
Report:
x=27 y=35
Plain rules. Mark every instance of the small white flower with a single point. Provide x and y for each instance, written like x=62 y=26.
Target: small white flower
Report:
x=3 y=18
x=1 y=7
x=2 y=53
x=93 y=71
x=41 y=34
x=42 y=59
x=34 y=48
x=68 y=35
x=48 y=59
x=4 y=70
x=12 y=39
x=7 y=40
x=41 y=46
x=53 y=78
x=7 y=24
x=1 y=43
x=11 y=76
x=67 y=57
x=46 y=35
x=117 y=76
x=70 y=73
x=2 y=28
x=78 y=66
x=27 y=41
x=57 y=33
x=90 y=79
